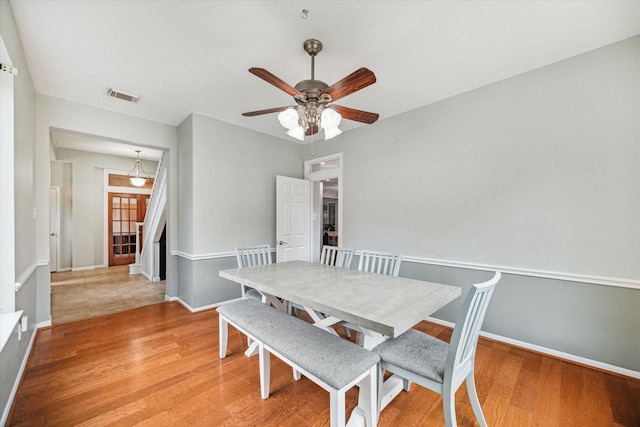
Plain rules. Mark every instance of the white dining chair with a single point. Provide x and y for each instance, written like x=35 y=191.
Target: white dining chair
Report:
x=249 y=256
x=436 y=365
x=337 y=256
x=380 y=262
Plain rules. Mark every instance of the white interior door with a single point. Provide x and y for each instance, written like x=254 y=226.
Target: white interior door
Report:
x=54 y=227
x=293 y=215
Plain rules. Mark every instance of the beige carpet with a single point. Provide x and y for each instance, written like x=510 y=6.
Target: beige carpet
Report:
x=83 y=294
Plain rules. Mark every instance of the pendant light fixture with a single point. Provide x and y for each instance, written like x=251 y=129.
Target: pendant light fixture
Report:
x=138 y=177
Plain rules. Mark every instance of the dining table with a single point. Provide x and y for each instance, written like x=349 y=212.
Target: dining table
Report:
x=378 y=306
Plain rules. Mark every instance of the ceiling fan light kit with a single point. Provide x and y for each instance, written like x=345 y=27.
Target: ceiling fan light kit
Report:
x=314 y=111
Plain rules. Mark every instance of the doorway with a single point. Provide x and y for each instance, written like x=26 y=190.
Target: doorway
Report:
x=325 y=174
x=125 y=211
x=54 y=228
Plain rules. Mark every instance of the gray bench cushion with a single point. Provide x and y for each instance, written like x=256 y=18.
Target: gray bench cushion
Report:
x=416 y=352
x=334 y=360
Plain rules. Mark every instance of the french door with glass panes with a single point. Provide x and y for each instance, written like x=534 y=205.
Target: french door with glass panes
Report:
x=124 y=211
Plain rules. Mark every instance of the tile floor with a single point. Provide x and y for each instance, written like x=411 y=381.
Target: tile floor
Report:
x=82 y=294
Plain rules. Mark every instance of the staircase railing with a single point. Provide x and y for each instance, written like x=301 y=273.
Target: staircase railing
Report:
x=154 y=218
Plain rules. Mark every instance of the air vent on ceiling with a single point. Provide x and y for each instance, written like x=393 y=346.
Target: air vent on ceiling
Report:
x=123 y=95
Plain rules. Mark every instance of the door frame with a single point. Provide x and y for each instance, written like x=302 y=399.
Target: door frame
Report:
x=57 y=231
x=316 y=210
x=106 y=189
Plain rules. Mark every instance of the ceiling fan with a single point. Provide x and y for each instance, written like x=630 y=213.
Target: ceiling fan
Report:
x=314 y=98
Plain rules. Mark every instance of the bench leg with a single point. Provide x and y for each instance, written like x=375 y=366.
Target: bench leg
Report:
x=223 y=336
x=337 y=408
x=368 y=390
x=265 y=370
x=296 y=374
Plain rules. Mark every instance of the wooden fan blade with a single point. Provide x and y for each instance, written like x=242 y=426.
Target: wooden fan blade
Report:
x=280 y=84
x=313 y=129
x=355 y=81
x=356 y=115
x=267 y=111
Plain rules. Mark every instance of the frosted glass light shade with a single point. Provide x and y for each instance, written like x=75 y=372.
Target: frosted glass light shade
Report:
x=288 y=118
x=137 y=181
x=297 y=133
x=330 y=133
x=330 y=119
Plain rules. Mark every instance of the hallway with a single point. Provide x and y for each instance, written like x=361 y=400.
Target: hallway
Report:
x=83 y=294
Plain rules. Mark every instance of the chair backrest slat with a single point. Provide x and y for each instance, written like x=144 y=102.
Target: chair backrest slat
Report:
x=464 y=339
x=253 y=255
x=380 y=262
x=336 y=256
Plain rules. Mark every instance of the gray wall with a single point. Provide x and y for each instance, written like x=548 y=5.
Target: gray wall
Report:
x=234 y=181
x=185 y=186
x=230 y=202
x=592 y=321
x=538 y=172
x=24 y=116
x=26 y=263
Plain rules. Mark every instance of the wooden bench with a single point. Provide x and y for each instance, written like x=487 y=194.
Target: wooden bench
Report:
x=333 y=363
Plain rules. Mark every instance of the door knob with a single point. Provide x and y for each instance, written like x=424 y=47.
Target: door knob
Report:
x=52 y=234
x=280 y=242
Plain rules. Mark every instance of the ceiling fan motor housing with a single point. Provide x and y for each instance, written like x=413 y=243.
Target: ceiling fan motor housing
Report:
x=312 y=90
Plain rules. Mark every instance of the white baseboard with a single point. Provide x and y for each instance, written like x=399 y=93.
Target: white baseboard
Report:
x=16 y=384
x=44 y=324
x=90 y=267
x=135 y=268
x=551 y=352
x=195 y=310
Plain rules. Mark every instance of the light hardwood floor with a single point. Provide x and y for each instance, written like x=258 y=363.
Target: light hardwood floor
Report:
x=82 y=294
x=158 y=365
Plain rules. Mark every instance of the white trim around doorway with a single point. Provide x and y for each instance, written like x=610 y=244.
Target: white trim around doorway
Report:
x=319 y=176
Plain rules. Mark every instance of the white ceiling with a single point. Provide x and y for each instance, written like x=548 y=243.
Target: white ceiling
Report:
x=83 y=142
x=193 y=56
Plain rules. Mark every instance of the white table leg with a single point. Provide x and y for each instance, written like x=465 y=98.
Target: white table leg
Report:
x=322 y=322
x=391 y=387
x=274 y=301
x=252 y=350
